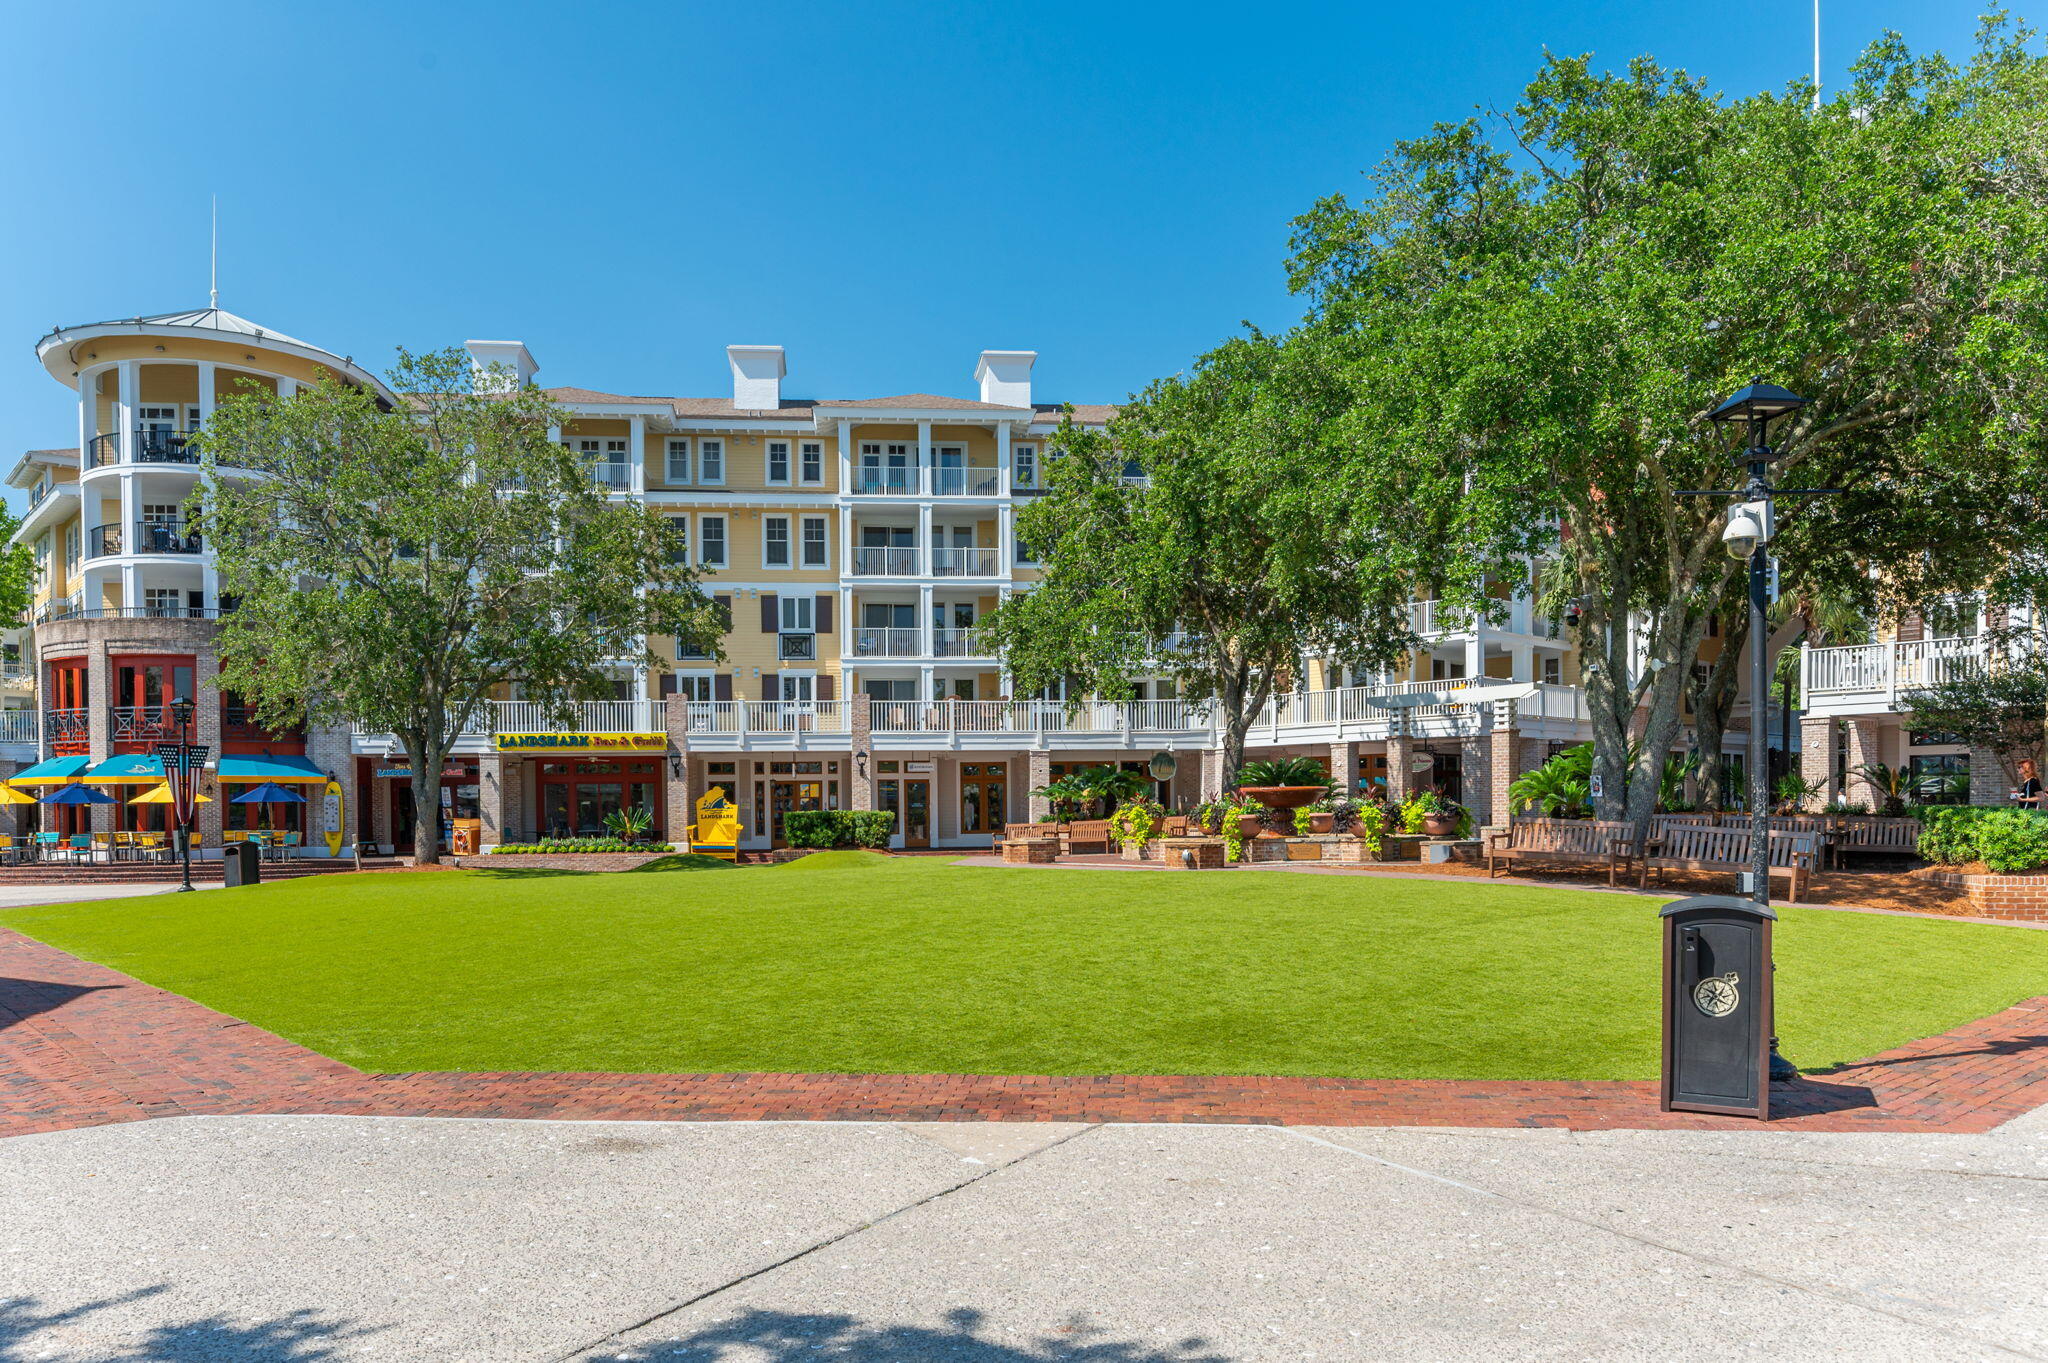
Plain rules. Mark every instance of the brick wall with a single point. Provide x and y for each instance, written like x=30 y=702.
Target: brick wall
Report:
x=1989 y=781
x=2018 y=898
x=1817 y=755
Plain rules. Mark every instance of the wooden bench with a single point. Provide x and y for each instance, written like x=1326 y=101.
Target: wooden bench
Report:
x=1700 y=847
x=1085 y=836
x=1591 y=842
x=1875 y=833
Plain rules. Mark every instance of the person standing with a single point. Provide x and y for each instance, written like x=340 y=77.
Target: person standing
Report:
x=2028 y=792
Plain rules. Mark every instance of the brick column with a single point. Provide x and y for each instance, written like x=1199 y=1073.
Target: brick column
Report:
x=1989 y=780
x=208 y=820
x=490 y=799
x=328 y=748
x=1863 y=740
x=1214 y=777
x=1475 y=774
x=380 y=806
x=1039 y=765
x=680 y=807
x=1504 y=760
x=860 y=720
x=99 y=691
x=1344 y=766
x=1400 y=748
x=1817 y=755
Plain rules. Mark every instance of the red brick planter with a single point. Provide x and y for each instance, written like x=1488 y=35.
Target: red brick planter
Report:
x=2019 y=898
x=557 y=861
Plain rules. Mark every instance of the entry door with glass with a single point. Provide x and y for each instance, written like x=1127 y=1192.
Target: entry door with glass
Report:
x=784 y=796
x=909 y=798
x=983 y=792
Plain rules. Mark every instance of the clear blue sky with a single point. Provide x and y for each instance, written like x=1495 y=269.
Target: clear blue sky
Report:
x=884 y=189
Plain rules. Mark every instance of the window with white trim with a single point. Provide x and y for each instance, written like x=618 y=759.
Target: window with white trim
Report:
x=678 y=460
x=775 y=542
x=71 y=550
x=778 y=461
x=711 y=462
x=711 y=541
x=679 y=539
x=814 y=542
x=797 y=613
x=694 y=687
x=1024 y=466
x=811 y=465
x=1553 y=670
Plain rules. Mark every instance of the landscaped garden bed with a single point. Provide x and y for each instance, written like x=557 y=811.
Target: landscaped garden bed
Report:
x=849 y=962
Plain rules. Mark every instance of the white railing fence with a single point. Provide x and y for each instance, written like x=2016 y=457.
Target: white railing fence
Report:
x=1891 y=667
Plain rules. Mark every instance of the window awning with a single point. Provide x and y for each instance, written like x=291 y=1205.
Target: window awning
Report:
x=51 y=771
x=127 y=769
x=249 y=771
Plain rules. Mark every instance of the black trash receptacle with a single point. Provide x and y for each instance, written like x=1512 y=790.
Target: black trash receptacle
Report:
x=242 y=866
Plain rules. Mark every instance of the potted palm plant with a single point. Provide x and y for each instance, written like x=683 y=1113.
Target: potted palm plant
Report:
x=1284 y=784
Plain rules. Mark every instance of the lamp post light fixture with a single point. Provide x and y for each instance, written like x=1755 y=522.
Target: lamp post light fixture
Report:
x=1747 y=536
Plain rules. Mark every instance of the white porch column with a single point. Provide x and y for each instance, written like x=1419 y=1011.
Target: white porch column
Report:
x=130 y=380
x=846 y=545
x=924 y=544
x=206 y=393
x=131 y=589
x=848 y=635
x=1524 y=659
x=88 y=414
x=287 y=388
x=1003 y=458
x=924 y=622
x=924 y=681
x=845 y=457
x=636 y=449
x=925 y=482
x=1475 y=653
x=1006 y=537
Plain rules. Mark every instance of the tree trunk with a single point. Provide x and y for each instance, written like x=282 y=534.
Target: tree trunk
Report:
x=1711 y=705
x=426 y=759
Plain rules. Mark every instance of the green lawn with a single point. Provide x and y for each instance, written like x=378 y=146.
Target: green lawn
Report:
x=846 y=961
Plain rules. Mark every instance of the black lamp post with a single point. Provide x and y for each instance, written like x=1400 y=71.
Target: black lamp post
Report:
x=1747 y=536
x=182 y=763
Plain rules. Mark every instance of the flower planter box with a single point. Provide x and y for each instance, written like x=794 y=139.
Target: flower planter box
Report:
x=2022 y=899
x=1206 y=854
x=1031 y=851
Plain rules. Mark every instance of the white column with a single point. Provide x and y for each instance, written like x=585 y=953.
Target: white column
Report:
x=287 y=388
x=1006 y=534
x=845 y=539
x=130 y=380
x=206 y=394
x=924 y=541
x=847 y=628
x=131 y=589
x=845 y=458
x=1475 y=653
x=88 y=415
x=924 y=682
x=1003 y=458
x=924 y=624
x=636 y=449
x=924 y=458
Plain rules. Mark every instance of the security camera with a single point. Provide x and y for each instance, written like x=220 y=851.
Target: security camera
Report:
x=1749 y=524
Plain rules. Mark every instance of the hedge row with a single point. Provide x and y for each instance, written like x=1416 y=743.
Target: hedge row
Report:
x=838 y=827
x=2006 y=840
x=551 y=846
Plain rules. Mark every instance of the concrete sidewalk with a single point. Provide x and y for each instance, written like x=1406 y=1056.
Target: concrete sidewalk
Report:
x=337 y=1238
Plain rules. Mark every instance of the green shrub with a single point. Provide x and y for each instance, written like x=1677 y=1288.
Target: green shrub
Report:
x=570 y=846
x=2005 y=840
x=829 y=828
x=1137 y=820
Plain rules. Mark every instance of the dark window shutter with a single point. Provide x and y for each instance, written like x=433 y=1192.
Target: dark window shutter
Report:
x=824 y=682
x=724 y=605
x=721 y=686
x=771 y=618
x=824 y=613
x=668 y=685
x=1911 y=631
x=771 y=686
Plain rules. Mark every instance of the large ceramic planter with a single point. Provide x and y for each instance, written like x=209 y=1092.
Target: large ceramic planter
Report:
x=1321 y=822
x=1440 y=825
x=1250 y=825
x=1281 y=799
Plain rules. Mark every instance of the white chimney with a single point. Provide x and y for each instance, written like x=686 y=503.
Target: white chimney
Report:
x=757 y=372
x=512 y=355
x=1005 y=376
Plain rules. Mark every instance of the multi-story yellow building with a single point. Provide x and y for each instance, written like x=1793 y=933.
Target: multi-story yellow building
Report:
x=857 y=544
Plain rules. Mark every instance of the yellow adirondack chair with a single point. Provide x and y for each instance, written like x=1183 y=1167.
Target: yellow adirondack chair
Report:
x=717 y=830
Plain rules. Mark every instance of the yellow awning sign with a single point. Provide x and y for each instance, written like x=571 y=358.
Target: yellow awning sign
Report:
x=653 y=743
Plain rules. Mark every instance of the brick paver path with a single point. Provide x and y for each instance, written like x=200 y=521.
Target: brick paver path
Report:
x=82 y=1045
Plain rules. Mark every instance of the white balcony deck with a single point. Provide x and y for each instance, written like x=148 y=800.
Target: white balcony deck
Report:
x=1352 y=714
x=1862 y=679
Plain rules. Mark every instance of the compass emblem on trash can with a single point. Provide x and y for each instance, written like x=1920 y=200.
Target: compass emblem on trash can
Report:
x=1716 y=995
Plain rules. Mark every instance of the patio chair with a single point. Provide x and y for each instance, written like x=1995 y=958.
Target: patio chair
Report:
x=10 y=853
x=124 y=845
x=81 y=846
x=47 y=845
x=150 y=846
x=290 y=843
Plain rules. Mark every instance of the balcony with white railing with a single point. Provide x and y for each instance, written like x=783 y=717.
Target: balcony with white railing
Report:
x=20 y=726
x=1022 y=718
x=1878 y=677
x=972 y=481
x=966 y=562
x=885 y=642
x=891 y=561
x=960 y=643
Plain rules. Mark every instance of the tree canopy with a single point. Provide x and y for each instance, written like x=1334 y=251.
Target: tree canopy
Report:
x=1535 y=308
x=391 y=565
x=1192 y=538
